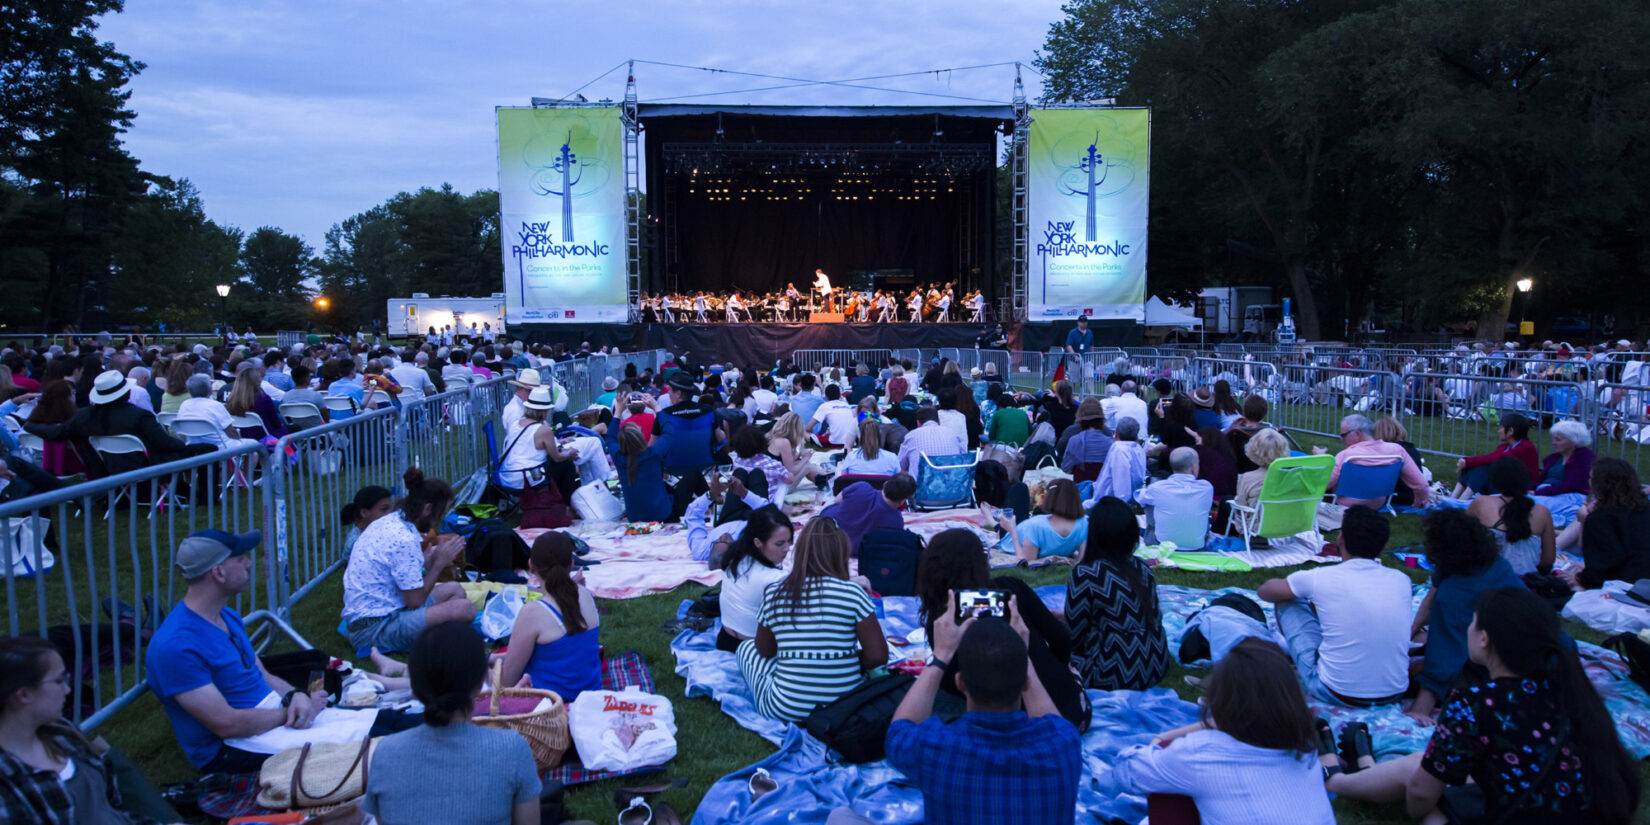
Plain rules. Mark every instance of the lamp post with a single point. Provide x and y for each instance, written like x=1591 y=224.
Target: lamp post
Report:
x=223 y=308
x=1524 y=286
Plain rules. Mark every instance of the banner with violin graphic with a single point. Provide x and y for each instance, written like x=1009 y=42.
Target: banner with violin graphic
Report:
x=1087 y=210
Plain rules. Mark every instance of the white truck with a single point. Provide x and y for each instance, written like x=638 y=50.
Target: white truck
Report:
x=414 y=316
x=1246 y=312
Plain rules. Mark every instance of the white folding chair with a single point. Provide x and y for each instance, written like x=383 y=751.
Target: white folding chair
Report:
x=107 y=446
x=166 y=419
x=340 y=404
x=201 y=431
x=300 y=414
x=31 y=447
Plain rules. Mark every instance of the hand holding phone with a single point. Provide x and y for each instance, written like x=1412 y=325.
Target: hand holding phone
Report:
x=977 y=603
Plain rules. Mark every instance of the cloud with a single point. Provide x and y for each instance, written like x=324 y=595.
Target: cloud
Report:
x=300 y=114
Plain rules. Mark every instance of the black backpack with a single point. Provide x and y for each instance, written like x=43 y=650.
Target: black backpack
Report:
x=889 y=558
x=493 y=546
x=1634 y=651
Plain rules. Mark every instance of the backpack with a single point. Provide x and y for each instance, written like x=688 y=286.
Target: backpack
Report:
x=1636 y=652
x=889 y=558
x=494 y=546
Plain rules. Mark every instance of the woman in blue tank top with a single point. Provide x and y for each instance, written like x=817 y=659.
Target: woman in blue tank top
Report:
x=555 y=638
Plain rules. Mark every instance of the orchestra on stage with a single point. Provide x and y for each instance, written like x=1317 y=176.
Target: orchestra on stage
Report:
x=933 y=304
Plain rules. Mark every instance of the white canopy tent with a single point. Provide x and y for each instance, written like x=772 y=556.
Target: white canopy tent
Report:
x=1162 y=314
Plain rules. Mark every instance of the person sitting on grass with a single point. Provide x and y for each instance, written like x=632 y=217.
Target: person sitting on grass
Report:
x=555 y=643
x=1613 y=529
x=1117 y=637
x=412 y=771
x=205 y=671
x=1011 y=757
x=49 y=772
x=868 y=458
x=955 y=560
x=1465 y=562
x=1531 y=743
x=1347 y=624
x=1251 y=756
x=1474 y=470
x=1177 y=507
x=817 y=633
x=754 y=561
x=862 y=508
x=391 y=591
x=1058 y=532
x=1521 y=528
x=370 y=504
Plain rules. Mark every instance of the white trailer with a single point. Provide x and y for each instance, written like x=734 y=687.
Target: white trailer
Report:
x=414 y=316
x=1225 y=311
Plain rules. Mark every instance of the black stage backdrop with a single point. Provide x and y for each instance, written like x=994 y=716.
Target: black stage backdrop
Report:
x=745 y=344
x=755 y=225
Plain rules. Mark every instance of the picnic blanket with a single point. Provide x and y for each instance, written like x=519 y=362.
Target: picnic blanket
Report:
x=231 y=795
x=634 y=565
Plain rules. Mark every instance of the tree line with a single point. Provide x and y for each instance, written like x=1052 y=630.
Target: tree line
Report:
x=1411 y=159
x=91 y=240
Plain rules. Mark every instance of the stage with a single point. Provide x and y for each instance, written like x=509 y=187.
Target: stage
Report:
x=762 y=344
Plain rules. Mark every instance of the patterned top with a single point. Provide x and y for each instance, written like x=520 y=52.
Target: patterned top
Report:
x=1117 y=638
x=1499 y=734
x=28 y=794
x=818 y=658
x=991 y=768
x=387 y=559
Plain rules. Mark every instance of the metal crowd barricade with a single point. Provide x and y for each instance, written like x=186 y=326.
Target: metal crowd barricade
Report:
x=1243 y=374
x=1459 y=415
x=1310 y=398
x=114 y=539
x=813 y=360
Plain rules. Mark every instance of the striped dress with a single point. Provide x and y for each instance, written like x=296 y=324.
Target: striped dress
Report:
x=818 y=658
x=1117 y=638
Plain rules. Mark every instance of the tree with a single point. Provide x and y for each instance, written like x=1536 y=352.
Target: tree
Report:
x=169 y=257
x=69 y=180
x=277 y=265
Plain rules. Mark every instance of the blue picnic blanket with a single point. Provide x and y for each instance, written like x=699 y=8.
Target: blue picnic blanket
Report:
x=811 y=783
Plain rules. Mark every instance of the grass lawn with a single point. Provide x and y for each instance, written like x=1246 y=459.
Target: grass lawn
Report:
x=711 y=745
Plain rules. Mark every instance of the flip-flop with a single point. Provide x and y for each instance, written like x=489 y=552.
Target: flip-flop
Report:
x=761 y=784
x=627 y=795
x=637 y=813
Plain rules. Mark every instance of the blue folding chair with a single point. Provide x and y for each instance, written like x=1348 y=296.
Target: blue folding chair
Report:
x=1369 y=483
x=944 y=481
x=508 y=499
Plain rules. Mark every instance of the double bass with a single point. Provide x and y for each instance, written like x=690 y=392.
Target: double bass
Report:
x=851 y=306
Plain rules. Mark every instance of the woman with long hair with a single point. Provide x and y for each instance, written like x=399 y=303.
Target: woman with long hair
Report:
x=1534 y=737
x=1111 y=605
x=868 y=458
x=1252 y=754
x=412 y=771
x=1059 y=409
x=1179 y=427
x=391 y=584
x=1225 y=405
x=964 y=398
x=754 y=561
x=1522 y=528
x=556 y=643
x=1216 y=463
x=246 y=397
x=785 y=443
x=1465 y=562
x=642 y=474
x=748 y=451
x=370 y=504
x=48 y=771
x=176 y=377
x=817 y=633
x=55 y=406
x=1614 y=528
x=955 y=560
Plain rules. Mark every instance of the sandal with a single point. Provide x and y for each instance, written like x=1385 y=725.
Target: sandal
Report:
x=1357 y=752
x=638 y=813
x=630 y=794
x=761 y=784
x=1326 y=748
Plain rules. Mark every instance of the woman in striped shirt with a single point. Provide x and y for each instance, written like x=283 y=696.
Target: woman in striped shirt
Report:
x=816 y=634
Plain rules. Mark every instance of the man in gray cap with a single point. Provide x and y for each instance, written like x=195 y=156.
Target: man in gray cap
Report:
x=204 y=668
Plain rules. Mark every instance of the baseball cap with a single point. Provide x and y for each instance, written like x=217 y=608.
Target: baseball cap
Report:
x=206 y=549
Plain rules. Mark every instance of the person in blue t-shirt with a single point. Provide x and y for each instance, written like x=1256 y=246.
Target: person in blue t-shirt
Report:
x=1081 y=339
x=206 y=673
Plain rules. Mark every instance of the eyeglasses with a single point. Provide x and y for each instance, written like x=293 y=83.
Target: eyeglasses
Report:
x=1346 y=433
x=65 y=679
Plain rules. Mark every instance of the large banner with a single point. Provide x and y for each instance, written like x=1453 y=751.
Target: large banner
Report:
x=561 y=204
x=1089 y=176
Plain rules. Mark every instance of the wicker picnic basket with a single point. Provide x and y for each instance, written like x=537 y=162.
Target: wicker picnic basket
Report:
x=545 y=731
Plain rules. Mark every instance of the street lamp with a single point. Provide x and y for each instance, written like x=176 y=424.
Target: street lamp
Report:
x=223 y=307
x=1524 y=286
x=322 y=303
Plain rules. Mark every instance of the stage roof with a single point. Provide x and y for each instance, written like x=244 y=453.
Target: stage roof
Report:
x=1004 y=112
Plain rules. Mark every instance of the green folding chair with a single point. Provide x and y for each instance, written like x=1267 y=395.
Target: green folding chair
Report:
x=1288 y=501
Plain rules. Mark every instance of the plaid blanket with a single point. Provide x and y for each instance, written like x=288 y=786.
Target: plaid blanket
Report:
x=227 y=796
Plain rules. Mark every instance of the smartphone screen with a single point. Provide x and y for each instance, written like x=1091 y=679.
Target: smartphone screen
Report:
x=972 y=603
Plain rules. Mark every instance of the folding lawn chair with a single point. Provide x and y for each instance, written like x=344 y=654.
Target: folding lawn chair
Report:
x=1369 y=482
x=944 y=481
x=1288 y=502
x=508 y=498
